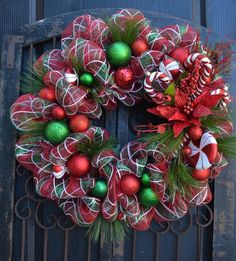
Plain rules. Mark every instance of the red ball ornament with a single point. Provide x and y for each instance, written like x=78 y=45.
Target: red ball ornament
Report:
x=180 y=54
x=187 y=151
x=78 y=165
x=79 y=123
x=129 y=184
x=201 y=175
x=47 y=94
x=58 y=113
x=139 y=46
x=195 y=132
x=124 y=77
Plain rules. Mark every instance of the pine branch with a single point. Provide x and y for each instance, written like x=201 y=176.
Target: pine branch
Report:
x=112 y=231
x=36 y=129
x=31 y=138
x=179 y=177
x=167 y=138
x=76 y=65
x=128 y=34
x=31 y=81
x=214 y=121
x=94 y=149
x=227 y=145
x=95 y=93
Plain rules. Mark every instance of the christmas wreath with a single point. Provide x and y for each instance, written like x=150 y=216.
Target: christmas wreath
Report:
x=166 y=170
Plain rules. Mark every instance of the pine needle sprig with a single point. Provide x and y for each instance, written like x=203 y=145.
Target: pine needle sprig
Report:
x=94 y=149
x=76 y=65
x=213 y=122
x=112 y=231
x=31 y=81
x=95 y=93
x=167 y=139
x=32 y=138
x=179 y=177
x=36 y=128
x=126 y=35
x=227 y=145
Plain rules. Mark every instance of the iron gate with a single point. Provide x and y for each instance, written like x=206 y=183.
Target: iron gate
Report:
x=35 y=229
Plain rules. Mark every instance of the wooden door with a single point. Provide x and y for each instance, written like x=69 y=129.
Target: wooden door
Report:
x=35 y=229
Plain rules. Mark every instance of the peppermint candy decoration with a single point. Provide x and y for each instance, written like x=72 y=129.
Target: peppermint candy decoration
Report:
x=161 y=77
x=71 y=76
x=204 y=152
x=171 y=68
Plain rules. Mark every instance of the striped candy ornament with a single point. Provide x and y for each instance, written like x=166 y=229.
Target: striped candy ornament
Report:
x=204 y=152
x=171 y=68
x=206 y=72
x=226 y=99
x=71 y=76
x=58 y=171
x=60 y=174
x=163 y=79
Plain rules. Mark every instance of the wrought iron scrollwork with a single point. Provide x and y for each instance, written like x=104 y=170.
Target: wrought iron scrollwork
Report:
x=204 y=218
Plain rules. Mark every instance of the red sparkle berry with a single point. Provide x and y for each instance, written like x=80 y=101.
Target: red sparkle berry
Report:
x=167 y=98
x=187 y=151
x=159 y=96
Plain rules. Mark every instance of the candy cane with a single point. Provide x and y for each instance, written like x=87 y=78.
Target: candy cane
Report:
x=206 y=72
x=151 y=77
x=226 y=99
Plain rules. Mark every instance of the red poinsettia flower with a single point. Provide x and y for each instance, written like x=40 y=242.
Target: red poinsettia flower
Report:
x=185 y=113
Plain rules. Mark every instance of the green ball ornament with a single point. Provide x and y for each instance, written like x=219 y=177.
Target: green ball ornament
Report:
x=100 y=189
x=118 y=54
x=145 y=180
x=56 y=132
x=86 y=79
x=147 y=197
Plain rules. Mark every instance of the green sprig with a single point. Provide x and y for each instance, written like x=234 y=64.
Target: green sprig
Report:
x=31 y=81
x=179 y=177
x=214 y=121
x=128 y=34
x=36 y=129
x=227 y=145
x=112 y=231
x=167 y=138
x=76 y=65
x=94 y=149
